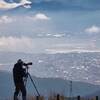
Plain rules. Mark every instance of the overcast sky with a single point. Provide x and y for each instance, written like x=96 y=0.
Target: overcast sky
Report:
x=49 y=26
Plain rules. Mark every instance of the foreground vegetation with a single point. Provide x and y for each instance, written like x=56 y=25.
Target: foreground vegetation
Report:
x=59 y=97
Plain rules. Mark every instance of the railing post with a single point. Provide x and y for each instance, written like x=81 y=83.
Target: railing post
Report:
x=78 y=98
x=58 y=97
x=37 y=97
x=97 y=98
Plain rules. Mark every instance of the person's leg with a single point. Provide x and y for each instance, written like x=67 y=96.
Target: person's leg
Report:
x=23 y=90
x=16 y=92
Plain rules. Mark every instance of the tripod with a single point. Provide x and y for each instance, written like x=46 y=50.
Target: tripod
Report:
x=28 y=74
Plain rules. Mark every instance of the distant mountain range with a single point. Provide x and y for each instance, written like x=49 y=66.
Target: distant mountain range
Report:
x=46 y=86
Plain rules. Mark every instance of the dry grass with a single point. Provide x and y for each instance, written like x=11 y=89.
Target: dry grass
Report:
x=55 y=97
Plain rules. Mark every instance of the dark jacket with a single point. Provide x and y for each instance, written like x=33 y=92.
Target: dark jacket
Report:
x=18 y=73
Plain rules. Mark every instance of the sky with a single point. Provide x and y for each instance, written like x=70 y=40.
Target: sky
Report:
x=49 y=26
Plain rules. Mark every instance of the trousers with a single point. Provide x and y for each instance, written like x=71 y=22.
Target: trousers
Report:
x=20 y=87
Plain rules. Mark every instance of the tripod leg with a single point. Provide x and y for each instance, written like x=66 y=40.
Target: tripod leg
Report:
x=34 y=84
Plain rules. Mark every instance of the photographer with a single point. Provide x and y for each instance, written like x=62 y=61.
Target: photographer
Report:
x=18 y=74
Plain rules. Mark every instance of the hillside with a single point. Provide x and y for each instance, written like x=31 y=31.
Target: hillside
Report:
x=46 y=86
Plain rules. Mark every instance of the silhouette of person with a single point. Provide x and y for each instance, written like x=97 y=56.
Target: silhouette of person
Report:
x=19 y=73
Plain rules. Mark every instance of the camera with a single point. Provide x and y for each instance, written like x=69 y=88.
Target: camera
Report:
x=26 y=64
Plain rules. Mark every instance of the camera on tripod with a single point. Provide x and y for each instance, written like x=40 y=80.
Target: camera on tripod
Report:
x=26 y=64
x=29 y=63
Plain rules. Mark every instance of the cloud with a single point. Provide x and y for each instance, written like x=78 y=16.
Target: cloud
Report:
x=23 y=44
x=67 y=4
x=40 y=45
x=53 y=4
x=5 y=19
x=40 y=16
x=27 y=6
x=6 y=5
x=93 y=29
x=72 y=47
x=59 y=35
x=51 y=35
x=14 y=44
x=54 y=51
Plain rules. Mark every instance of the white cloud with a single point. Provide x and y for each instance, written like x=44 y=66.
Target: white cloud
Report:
x=93 y=29
x=54 y=51
x=58 y=35
x=72 y=47
x=6 y=5
x=27 y=6
x=23 y=44
x=5 y=19
x=44 y=45
x=25 y=2
x=40 y=16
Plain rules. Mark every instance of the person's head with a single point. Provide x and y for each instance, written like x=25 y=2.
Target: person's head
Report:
x=20 y=61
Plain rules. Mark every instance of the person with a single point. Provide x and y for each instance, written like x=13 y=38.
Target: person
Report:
x=19 y=73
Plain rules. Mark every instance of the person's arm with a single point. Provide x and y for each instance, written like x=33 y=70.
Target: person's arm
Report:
x=23 y=72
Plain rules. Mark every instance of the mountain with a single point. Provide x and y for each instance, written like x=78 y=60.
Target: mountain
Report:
x=45 y=86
